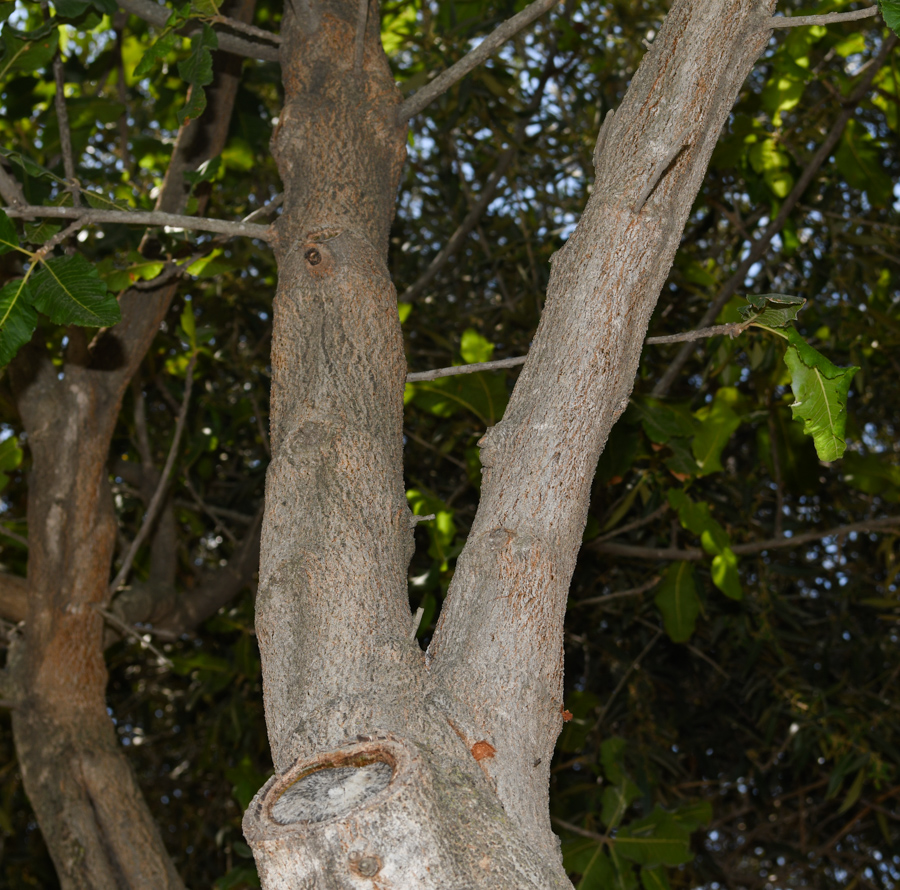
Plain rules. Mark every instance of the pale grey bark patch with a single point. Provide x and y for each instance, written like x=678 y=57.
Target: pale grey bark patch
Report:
x=330 y=793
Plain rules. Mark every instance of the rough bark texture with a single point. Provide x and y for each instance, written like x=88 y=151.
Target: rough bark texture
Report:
x=92 y=814
x=466 y=735
x=499 y=640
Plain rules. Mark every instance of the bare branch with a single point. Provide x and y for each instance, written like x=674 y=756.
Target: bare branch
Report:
x=466 y=369
x=158 y=15
x=446 y=79
x=694 y=555
x=632 y=667
x=826 y=19
x=638 y=523
x=65 y=132
x=250 y=30
x=157 y=500
x=761 y=245
x=487 y=193
x=732 y=330
x=142 y=638
x=619 y=594
x=19 y=539
x=142 y=218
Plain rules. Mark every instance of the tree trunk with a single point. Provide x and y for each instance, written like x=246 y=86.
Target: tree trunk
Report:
x=92 y=814
x=407 y=770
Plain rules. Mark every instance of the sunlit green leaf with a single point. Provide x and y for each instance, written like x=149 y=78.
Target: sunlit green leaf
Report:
x=820 y=396
x=10 y=457
x=474 y=348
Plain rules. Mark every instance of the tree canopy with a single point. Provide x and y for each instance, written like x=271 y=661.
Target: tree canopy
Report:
x=732 y=631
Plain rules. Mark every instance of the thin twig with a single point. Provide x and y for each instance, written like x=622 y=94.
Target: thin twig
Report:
x=732 y=330
x=826 y=19
x=631 y=526
x=634 y=665
x=61 y=236
x=487 y=193
x=466 y=369
x=446 y=79
x=695 y=555
x=577 y=829
x=157 y=14
x=65 y=133
x=250 y=30
x=362 y=15
x=19 y=539
x=779 y=479
x=142 y=218
x=142 y=638
x=202 y=505
x=157 y=500
x=619 y=594
x=761 y=245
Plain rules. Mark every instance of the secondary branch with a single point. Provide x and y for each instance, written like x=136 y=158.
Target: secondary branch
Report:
x=826 y=19
x=142 y=218
x=444 y=81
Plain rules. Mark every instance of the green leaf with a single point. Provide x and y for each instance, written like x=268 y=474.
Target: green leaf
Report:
x=612 y=756
x=714 y=540
x=189 y=326
x=771 y=310
x=41 y=231
x=18 y=319
x=678 y=602
x=197 y=67
x=663 y=421
x=70 y=291
x=195 y=105
x=717 y=423
x=655 y=879
x=118 y=280
x=31 y=168
x=474 y=348
x=155 y=53
x=854 y=792
x=9 y=240
x=695 y=814
x=586 y=857
x=890 y=10
x=10 y=459
x=27 y=50
x=616 y=800
x=820 y=396
x=659 y=839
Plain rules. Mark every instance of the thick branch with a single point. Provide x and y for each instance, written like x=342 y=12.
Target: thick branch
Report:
x=141 y=218
x=157 y=14
x=444 y=81
x=826 y=19
x=761 y=245
x=498 y=644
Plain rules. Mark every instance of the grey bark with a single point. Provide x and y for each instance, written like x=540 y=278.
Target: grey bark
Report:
x=468 y=731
